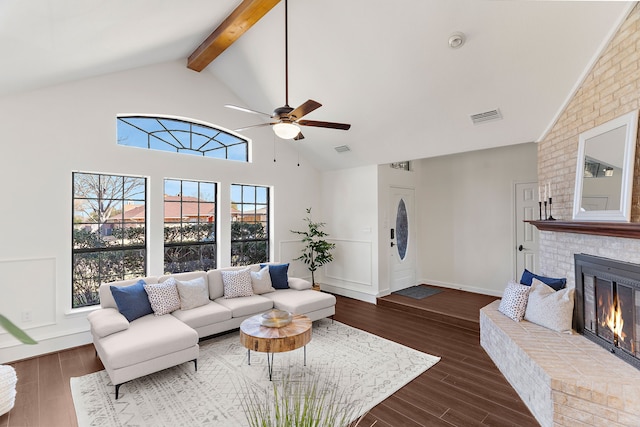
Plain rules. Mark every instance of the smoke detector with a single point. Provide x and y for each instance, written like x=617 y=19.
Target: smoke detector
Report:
x=456 y=40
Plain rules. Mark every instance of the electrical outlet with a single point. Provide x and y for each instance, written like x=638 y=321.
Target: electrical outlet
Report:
x=26 y=316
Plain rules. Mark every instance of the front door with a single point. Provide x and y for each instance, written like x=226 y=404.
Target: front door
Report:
x=402 y=239
x=526 y=244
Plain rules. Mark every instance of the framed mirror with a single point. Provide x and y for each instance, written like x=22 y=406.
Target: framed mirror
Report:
x=604 y=172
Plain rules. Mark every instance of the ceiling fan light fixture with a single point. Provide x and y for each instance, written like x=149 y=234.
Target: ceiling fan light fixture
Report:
x=286 y=130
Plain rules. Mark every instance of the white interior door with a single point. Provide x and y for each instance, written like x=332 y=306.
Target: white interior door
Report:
x=402 y=239
x=526 y=245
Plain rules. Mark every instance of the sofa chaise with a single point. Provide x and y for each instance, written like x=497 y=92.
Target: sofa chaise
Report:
x=133 y=345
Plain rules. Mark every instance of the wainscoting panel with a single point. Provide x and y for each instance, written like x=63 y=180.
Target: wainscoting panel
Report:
x=31 y=285
x=353 y=263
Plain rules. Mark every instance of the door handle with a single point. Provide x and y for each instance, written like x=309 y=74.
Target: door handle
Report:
x=520 y=248
x=392 y=244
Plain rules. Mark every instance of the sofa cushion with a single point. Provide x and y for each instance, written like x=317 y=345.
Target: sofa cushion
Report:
x=204 y=315
x=193 y=293
x=107 y=321
x=299 y=284
x=237 y=283
x=163 y=297
x=261 y=281
x=106 y=297
x=132 y=301
x=278 y=272
x=246 y=306
x=214 y=277
x=301 y=302
x=147 y=338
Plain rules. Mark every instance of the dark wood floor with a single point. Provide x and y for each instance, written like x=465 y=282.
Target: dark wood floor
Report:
x=463 y=389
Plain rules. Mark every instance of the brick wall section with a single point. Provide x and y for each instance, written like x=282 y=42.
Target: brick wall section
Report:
x=564 y=379
x=611 y=89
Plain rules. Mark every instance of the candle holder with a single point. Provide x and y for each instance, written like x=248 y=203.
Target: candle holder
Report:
x=540 y=209
x=545 y=210
x=551 y=218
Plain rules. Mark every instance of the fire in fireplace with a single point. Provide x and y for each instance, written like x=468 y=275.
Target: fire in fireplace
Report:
x=607 y=305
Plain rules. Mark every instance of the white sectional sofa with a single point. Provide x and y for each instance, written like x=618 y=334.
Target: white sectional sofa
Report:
x=152 y=342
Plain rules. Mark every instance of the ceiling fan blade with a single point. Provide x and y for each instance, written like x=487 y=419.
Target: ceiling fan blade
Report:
x=246 y=110
x=253 y=126
x=332 y=125
x=305 y=109
x=299 y=137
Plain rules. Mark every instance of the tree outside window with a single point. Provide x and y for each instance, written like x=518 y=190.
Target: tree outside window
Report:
x=109 y=233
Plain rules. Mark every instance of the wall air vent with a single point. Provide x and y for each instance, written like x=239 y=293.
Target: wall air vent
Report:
x=342 y=148
x=487 y=116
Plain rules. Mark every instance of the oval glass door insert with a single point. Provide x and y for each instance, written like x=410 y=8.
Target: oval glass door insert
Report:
x=402 y=229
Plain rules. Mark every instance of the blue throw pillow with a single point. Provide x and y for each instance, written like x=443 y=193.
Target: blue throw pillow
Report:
x=278 y=273
x=132 y=301
x=557 y=284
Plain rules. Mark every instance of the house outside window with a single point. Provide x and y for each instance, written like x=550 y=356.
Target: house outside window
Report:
x=189 y=225
x=108 y=233
x=249 y=224
x=181 y=136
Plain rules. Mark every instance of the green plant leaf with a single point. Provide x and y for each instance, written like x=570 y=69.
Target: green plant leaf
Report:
x=15 y=331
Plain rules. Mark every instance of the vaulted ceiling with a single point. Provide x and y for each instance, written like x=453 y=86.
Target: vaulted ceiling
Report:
x=385 y=67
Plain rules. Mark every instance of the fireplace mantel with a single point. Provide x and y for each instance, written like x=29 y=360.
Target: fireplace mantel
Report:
x=612 y=229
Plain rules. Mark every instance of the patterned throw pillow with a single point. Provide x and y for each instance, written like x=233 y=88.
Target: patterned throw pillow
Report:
x=514 y=301
x=163 y=296
x=237 y=283
x=261 y=281
x=549 y=308
x=193 y=293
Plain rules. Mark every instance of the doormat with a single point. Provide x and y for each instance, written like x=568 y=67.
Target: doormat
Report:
x=417 y=292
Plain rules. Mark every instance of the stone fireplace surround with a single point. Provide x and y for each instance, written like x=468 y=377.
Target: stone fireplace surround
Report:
x=565 y=380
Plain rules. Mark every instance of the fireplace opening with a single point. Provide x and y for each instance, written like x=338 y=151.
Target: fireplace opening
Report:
x=607 y=305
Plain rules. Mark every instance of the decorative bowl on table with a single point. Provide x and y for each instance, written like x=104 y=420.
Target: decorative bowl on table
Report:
x=276 y=318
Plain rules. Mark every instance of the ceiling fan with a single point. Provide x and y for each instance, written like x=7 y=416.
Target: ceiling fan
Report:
x=286 y=120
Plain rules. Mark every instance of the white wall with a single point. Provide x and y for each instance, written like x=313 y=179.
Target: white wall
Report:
x=49 y=133
x=350 y=209
x=467 y=217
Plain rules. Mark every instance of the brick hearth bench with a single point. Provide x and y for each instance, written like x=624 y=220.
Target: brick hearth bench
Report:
x=564 y=379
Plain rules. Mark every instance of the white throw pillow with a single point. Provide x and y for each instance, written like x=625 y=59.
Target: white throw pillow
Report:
x=237 y=283
x=193 y=293
x=549 y=308
x=514 y=300
x=163 y=296
x=261 y=281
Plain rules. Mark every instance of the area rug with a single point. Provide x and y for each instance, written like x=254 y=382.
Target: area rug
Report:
x=418 y=292
x=364 y=367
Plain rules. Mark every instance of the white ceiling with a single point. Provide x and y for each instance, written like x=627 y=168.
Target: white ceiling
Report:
x=385 y=67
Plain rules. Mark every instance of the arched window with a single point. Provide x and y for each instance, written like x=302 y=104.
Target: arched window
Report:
x=181 y=136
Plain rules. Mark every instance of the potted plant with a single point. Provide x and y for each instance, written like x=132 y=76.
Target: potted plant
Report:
x=316 y=251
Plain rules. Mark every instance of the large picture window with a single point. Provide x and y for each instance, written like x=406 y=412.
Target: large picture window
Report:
x=181 y=136
x=249 y=224
x=109 y=232
x=189 y=226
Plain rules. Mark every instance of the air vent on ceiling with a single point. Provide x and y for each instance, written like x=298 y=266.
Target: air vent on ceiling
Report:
x=487 y=116
x=342 y=148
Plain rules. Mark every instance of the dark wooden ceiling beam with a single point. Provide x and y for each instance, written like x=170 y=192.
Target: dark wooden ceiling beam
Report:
x=235 y=25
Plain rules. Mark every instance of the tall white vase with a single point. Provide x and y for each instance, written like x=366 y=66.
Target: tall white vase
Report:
x=8 y=380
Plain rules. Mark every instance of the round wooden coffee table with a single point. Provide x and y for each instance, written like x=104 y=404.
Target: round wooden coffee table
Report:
x=268 y=340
